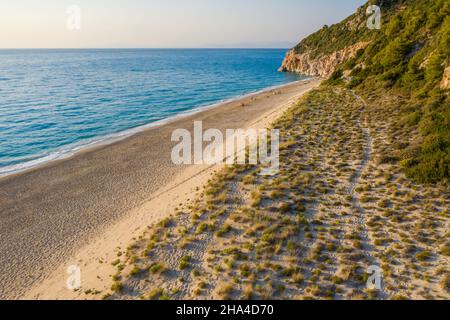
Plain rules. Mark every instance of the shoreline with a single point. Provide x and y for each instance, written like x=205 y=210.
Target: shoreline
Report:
x=52 y=212
x=68 y=151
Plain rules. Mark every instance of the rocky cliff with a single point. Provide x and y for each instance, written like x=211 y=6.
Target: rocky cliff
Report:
x=322 y=66
x=320 y=53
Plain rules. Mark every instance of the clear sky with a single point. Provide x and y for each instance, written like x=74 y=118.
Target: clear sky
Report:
x=166 y=23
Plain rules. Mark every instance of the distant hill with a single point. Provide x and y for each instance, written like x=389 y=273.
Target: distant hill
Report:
x=407 y=60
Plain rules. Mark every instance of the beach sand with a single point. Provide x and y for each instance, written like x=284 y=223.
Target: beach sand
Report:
x=80 y=210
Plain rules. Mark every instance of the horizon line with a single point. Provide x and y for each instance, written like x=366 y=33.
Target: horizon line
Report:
x=147 y=48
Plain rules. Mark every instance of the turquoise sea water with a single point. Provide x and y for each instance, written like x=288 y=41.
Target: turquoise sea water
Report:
x=56 y=101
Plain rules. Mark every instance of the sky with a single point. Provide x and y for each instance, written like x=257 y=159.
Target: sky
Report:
x=165 y=23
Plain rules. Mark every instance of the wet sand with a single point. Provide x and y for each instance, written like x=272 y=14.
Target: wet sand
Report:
x=49 y=213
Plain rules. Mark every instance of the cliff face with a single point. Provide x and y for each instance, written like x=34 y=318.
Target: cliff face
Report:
x=320 y=53
x=322 y=66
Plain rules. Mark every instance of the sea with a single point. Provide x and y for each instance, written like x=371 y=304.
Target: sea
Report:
x=55 y=102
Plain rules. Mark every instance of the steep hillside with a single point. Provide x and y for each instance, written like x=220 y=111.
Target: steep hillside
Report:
x=407 y=60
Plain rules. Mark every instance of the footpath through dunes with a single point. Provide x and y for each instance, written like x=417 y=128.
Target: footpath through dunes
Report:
x=308 y=232
x=47 y=214
x=408 y=223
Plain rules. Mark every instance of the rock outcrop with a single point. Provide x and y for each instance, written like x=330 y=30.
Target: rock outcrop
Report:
x=322 y=66
x=445 y=83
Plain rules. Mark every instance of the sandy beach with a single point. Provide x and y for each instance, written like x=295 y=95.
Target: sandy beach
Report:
x=82 y=208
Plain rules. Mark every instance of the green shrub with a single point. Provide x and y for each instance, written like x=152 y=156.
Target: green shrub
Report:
x=157 y=268
x=423 y=256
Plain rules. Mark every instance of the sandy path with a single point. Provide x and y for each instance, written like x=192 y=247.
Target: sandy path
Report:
x=49 y=214
x=362 y=219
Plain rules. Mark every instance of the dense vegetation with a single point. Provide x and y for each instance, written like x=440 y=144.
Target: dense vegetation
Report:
x=405 y=60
